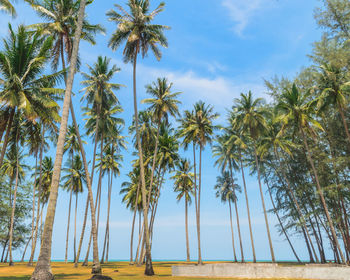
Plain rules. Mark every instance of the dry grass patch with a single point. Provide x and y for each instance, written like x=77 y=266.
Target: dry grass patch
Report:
x=119 y=270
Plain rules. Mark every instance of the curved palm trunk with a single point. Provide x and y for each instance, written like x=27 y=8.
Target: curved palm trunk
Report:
x=263 y=205
x=281 y=224
x=133 y=226
x=232 y=235
x=13 y=212
x=43 y=268
x=96 y=267
x=68 y=223
x=323 y=201
x=153 y=166
x=7 y=136
x=248 y=211
x=188 y=259
x=149 y=268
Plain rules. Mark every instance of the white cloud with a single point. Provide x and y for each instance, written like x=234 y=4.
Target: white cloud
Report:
x=241 y=12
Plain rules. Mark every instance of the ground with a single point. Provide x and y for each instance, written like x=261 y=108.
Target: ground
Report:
x=118 y=271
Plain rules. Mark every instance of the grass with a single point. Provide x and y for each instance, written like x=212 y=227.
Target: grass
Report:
x=118 y=270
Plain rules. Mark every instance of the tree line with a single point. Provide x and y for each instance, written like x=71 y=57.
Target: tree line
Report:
x=297 y=144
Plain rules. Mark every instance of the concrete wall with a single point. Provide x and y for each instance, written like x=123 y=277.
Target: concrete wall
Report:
x=264 y=270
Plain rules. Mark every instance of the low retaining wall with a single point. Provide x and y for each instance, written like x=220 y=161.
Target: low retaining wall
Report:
x=264 y=270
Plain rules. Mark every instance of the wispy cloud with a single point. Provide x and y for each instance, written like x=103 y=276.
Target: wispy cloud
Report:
x=241 y=12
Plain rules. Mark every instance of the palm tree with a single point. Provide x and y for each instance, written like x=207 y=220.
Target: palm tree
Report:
x=74 y=180
x=162 y=103
x=236 y=144
x=249 y=116
x=43 y=267
x=6 y=6
x=296 y=110
x=184 y=187
x=24 y=88
x=226 y=190
x=227 y=160
x=140 y=34
x=71 y=145
x=66 y=23
x=197 y=127
x=99 y=94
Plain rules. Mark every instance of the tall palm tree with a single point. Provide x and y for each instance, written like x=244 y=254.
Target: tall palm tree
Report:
x=43 y=268
x=136 y=28
x=99 y=93
x=197 y=127
x=227 y=160
x=236 y=144
x=297 y=111
x=226 y=189
x=74 y=180
x=65 y=22
x=250 y=117
x=7 y=6
x=162 y=103
x=184 y=187
x=24 y=87
x=71 y=145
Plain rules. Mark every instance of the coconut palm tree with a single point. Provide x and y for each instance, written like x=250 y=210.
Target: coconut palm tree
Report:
x=71 y=145
x=197 y=127
x=99 y=93
x=296 y=111
x=43 y=269
x=136 y=28
x=226 y=189
x=227 y=160
x=24 y=87
x=250 y=117
x=65 y=22
x=74 y=180
x=7 y=6
x=162 y=104
x=183 y=185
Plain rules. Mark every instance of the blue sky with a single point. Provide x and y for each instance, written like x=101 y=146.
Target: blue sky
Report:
x=217 y=49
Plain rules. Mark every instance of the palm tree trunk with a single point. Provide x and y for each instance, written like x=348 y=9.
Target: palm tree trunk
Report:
x=30 y=262
x=237 y=218
x=247 y=204
x=281 y=224
x=263 y=205
x=7 y=136
x=133 y=226
x=153 y=166
x=43 y=268
x=75 y=227
x=68 y=223
x=200 y=262
x=323 y=201
x=33 y=206
x=149 y=268
x=96 y=267
x=13 y=208
x=232 y=235
x=186 y=226
x=108 y=213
